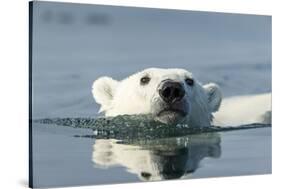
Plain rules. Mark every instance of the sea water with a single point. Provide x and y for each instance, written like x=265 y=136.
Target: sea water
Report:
x=75 y=44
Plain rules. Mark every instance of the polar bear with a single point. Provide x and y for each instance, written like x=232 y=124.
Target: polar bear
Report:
x=174 y=96
x=160 y=159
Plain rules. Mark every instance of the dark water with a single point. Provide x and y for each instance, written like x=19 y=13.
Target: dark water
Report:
x=66 y=156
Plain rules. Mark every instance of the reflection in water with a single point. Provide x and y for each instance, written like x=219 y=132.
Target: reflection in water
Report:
x=149 y=149
x=158 y=159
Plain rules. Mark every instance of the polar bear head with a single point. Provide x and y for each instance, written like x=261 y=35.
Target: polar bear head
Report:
x=157 y=159
x=170 y=95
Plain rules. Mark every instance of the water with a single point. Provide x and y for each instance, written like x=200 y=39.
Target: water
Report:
x=233 y=51
x=68 y=156
x=75 y=44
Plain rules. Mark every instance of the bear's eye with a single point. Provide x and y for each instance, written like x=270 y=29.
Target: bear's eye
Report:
x=189 y=81
x=144 y=80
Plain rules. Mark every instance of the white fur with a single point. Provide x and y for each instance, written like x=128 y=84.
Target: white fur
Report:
x=129 y=97
x=244 y=110
x=104 y=91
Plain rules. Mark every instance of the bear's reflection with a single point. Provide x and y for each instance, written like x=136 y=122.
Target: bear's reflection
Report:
x=160 y=159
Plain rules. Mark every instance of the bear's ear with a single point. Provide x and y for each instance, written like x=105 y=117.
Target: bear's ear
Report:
x=103 y=91
x=214 y=96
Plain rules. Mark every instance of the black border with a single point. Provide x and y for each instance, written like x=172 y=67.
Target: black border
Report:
x=30 y=174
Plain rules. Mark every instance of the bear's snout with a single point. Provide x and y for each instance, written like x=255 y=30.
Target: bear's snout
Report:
x=171 y=91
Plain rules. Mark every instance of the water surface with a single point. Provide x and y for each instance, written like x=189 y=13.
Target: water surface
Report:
x=74 y=44
x=65 y=158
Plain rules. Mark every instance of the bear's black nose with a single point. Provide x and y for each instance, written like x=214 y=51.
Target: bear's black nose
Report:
x=171 y=91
